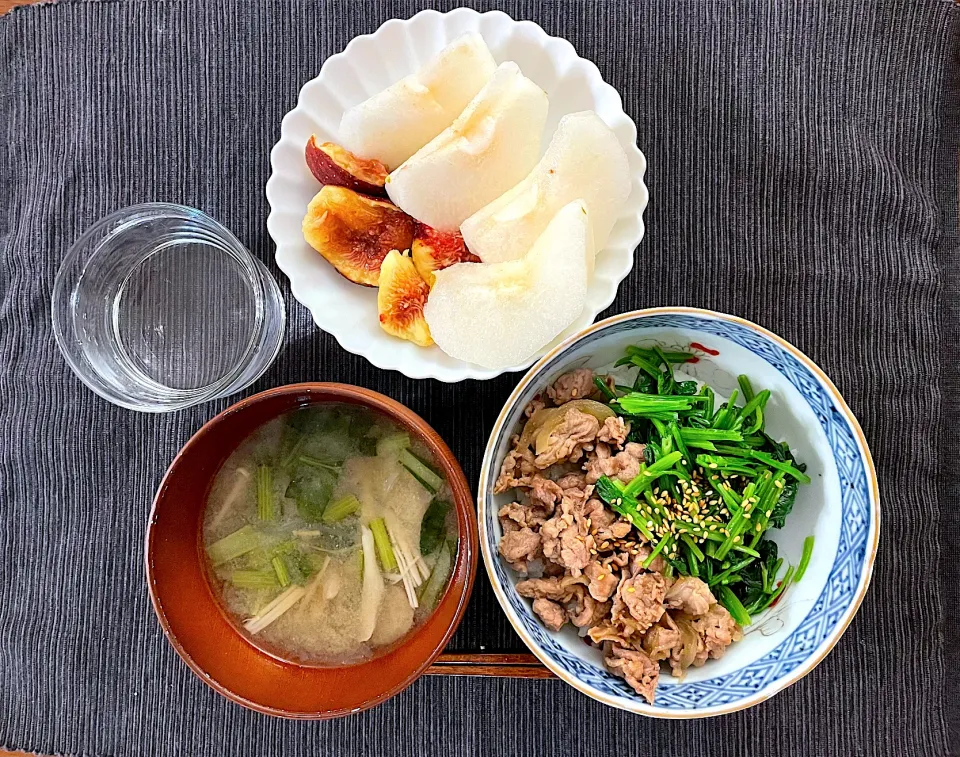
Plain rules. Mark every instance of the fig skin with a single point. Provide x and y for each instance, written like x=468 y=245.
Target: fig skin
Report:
x=332 y=164
x=401 y=299
x=354 y=232
x=434 y=250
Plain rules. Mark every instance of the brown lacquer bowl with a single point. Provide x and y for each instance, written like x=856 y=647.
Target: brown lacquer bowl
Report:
x=201 y=630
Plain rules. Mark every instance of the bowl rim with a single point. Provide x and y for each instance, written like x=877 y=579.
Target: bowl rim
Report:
x=421 y=368
x=466 y=553
x=863 y=580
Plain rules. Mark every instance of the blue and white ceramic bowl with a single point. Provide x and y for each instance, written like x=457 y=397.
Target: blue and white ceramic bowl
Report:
x=840 y=507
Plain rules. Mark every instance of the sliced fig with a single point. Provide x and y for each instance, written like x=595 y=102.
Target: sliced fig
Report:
x=355 y=232
x=401 y=299
x=332 y=164
x=434 y=250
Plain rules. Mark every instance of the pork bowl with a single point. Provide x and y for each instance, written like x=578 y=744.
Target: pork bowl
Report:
x=678 y=512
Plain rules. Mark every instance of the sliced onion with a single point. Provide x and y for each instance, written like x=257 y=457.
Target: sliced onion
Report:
x=535 y=424
x=591 y=407
x=690 y=640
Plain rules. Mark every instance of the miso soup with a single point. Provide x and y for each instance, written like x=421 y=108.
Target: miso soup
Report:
x=330 y=534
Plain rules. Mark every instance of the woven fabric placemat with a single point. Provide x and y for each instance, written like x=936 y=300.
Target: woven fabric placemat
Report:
x=803 y=174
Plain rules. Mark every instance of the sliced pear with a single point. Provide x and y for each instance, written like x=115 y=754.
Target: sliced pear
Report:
x=500 y=314
x=395 y=123
x=584 y=160
x=491 y=146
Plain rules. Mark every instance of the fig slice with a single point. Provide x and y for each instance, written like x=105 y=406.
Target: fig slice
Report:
x=355 y=232
x=434 y=250
x=401 y=299
x=332 y=164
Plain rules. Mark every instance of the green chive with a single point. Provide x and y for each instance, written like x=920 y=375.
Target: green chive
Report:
x=253 y=579
x=337 y=511
x=230 y=547
x=265 y=509
x=280 y=568
x=388 y=560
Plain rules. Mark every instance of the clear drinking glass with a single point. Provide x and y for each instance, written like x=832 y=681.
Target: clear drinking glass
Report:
x=158 y=307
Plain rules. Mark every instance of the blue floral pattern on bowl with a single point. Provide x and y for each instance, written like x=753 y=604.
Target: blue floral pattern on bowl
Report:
x=853 y=560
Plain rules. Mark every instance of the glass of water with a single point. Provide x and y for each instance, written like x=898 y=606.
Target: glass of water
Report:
x=158 y=307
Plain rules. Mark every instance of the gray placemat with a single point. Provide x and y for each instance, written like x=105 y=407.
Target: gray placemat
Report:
x=802 y=170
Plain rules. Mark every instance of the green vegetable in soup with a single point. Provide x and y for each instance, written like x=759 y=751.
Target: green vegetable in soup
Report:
x=433 y=526
x=296 y=565
x=265 y=503
x=236 y=544
x=280 y=568
x=253 y=579
x=381 y=540
x=311 y=489
x=392 y=445
x=421 y=471
x=340 y=509
x=318 y=464
x=430 y=590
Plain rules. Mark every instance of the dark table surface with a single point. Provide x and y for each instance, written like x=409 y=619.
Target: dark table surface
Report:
x=803 y=174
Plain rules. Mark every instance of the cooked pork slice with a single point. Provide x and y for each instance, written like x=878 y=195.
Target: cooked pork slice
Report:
x=617 y=530
x=661 y=640
x=574 y=550
x=584 y=611
x=614 y=431
x=642 y=597
x=517 y=547
x=552 y=614
x=718 y=630
x=572 y=481
x=559 y=589
x=515 y=515
x=576 y=385
x=545 y=493
x=533 y=405
x=636 y=668
x=602 y=581
x=640 y=557
x=567 y=441
x=624 y=465
x=516 y=471
x=599 y=515
x=690 y=595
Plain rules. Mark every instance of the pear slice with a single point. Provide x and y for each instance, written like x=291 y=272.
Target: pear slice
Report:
x=395 y=123
x=500 y=314
x=491 y=146
x=584 y=160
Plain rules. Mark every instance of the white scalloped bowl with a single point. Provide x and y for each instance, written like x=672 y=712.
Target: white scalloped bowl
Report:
x=368 y=65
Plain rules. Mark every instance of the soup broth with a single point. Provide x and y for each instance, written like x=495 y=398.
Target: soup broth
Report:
x=329 y=534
